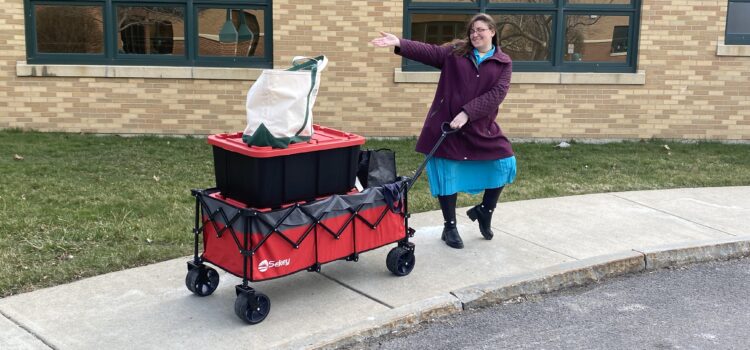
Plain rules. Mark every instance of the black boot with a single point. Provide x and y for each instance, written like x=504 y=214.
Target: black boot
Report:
x=485 y=220
x=450 y=232
x=483 y=212
x=451 y=236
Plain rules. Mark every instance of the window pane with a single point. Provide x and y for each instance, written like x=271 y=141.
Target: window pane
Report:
x=600 y=2
x=154 y=30
x=459 y=1
x=438 y=28
x=738 y=16
x=593 y=38
x=525 y=37
x=522 y=1
x=69 y=29
x=230 y=32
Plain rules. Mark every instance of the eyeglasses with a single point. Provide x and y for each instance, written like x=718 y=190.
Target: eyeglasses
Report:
x=478 y=30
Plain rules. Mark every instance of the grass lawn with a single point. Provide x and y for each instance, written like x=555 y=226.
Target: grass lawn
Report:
x=82 y=205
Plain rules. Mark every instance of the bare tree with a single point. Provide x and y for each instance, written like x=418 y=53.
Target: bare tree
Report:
x=527 y=36
x=69 y=29
x=146 y=15
x=148 y=29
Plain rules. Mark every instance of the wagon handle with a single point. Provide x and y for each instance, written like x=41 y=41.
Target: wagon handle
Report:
x=445 y=127
x=446 y=130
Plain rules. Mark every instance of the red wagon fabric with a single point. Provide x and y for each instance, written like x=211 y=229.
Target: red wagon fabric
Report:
x=298 y=237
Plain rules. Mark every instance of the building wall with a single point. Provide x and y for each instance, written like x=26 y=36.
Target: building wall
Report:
x=689 y=92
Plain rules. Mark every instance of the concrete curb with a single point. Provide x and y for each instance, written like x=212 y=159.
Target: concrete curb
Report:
x=694 y=252
x=555 y=278
x=393 y=320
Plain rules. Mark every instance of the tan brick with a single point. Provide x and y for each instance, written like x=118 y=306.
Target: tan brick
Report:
x=689 y=92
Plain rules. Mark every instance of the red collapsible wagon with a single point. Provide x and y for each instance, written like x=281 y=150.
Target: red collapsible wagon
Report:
x=280 y=211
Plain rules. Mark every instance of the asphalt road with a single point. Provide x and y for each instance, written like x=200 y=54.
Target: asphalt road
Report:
x=701 y=306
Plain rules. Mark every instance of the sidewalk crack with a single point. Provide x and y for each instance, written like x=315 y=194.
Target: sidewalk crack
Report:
x=357 y=291
x=28 y=330
x=536 y=244
x=673 y=214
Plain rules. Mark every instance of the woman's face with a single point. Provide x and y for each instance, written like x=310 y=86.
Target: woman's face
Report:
x=481 y=35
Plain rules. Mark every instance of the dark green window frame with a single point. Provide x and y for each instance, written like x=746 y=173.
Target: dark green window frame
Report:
x=110 y=56
x=558 y=9
x=733 y=37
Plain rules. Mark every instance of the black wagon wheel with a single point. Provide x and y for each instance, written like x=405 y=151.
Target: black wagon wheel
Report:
x=202 y=281
x=400 y=261
x=252 y=312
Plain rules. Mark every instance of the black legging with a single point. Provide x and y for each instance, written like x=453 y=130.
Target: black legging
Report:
x=491 y=195
x=448 y=206
x=448 y=203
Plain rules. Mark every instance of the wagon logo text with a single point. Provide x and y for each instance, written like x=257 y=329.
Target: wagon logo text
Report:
x=266 y=264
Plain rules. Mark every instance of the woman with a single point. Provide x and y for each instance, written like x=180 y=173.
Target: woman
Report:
x=474 y=79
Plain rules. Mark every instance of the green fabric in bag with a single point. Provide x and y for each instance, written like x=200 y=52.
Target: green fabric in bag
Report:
x=263 y=138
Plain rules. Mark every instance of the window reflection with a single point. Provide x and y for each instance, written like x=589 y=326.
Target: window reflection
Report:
x=525 y=37
x=599 y=2
x=438 y=28
x=151 y=30
x=737 y=12
x=230 y=32
x=594 y=38
x=69 y=29
x=522 y=1
x=459 y=1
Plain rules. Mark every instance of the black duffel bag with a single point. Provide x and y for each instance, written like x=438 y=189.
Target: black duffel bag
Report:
x=376 y=167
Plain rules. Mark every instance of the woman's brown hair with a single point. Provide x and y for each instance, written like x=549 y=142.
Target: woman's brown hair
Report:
x=463 y=46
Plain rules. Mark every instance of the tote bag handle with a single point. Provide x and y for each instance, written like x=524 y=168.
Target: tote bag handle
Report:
x=313 y=64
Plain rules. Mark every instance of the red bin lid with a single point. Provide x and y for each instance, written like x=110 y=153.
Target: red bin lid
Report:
x=323 y=139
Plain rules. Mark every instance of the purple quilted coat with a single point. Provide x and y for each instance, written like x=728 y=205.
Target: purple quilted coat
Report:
x=477 y=90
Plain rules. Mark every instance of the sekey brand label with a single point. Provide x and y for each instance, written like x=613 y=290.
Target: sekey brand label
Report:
x=264 y=265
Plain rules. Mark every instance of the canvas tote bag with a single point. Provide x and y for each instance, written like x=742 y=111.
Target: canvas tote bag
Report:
x=279 y=104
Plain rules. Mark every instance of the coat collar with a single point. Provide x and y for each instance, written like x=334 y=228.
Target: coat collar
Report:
x=499 y=56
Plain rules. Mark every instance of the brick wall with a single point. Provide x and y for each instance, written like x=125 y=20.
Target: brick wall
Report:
x=690 y=92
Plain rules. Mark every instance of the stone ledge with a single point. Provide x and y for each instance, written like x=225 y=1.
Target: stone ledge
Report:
x=156 y=72
x=638 y=78
x=732 y=50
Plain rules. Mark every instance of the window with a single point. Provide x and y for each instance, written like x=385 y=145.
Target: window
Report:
x=738 y=26
x=171 y=32
x=539 y=35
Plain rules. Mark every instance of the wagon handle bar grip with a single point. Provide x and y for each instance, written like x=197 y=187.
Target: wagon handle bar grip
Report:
x=446 y=130
x=445 y=127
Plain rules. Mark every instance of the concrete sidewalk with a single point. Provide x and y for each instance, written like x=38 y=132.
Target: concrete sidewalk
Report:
x=539 y=246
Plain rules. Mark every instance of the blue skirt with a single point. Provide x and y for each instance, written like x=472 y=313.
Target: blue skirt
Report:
x=448 y=176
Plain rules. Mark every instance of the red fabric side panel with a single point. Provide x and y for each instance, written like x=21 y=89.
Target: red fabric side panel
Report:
x=330 y=248
x=276 y=257
x=222 y=251
x=390 y=229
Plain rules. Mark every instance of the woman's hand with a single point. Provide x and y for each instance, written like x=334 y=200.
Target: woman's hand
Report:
x=460 y=120
x=386 y=40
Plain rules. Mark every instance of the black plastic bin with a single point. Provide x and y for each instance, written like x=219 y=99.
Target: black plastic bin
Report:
x=264 y=177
